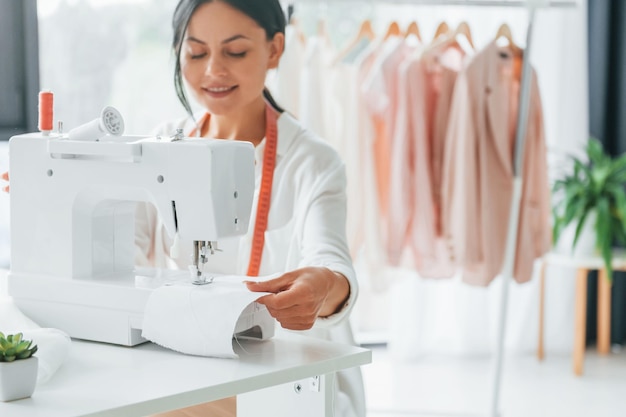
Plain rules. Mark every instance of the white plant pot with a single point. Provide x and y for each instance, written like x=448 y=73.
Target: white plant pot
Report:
x=586 y=245
x=18 y=378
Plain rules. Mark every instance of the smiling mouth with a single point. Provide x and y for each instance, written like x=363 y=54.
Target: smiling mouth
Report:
x=219 y=90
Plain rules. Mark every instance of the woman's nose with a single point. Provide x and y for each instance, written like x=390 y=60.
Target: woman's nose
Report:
x=216 y=67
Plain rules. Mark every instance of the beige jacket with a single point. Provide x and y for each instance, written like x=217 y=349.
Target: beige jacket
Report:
x=478 y=171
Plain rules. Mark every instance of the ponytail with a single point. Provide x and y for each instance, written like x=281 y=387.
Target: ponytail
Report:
x=268 y=97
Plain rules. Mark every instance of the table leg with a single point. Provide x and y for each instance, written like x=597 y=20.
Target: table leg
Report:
x=580 y=320
x=542 y=294
x=604 y=313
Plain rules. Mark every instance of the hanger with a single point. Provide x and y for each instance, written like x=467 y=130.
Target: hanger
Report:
x=464 y=29
x=504 y=33
x=413 y=29
x=296 y=25
x=442 y=29
x=365 y=32
x=393 y=30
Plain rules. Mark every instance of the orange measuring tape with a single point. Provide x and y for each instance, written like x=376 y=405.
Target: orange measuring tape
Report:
x=265 y=194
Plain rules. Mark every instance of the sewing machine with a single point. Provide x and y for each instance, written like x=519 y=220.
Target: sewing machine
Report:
x=73 y=205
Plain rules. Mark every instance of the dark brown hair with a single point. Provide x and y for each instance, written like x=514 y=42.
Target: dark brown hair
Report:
x=267 y=13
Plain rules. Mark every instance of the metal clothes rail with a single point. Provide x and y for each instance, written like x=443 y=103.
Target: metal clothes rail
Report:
x=523 y=110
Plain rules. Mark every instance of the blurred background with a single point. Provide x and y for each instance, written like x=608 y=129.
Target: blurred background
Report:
x=433 y=340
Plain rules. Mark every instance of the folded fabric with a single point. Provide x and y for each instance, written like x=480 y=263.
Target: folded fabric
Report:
x=53 y=348
x=197 y=320
x=53 y=344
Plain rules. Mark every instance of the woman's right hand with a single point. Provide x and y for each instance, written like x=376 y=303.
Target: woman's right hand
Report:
x=5 y=177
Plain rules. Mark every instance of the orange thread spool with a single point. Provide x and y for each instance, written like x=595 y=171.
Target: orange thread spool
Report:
x=46 y=102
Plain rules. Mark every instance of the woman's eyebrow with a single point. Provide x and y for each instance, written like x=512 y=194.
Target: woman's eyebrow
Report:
x=192 y=39
x=225 y=41
x=234 y=38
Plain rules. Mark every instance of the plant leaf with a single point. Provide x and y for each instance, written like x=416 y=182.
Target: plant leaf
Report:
x=594 y=150
x=22 y=346
x=604 y=235
x=579 y=228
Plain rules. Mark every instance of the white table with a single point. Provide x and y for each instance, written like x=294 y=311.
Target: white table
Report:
x=105 y=380
x=583 y=265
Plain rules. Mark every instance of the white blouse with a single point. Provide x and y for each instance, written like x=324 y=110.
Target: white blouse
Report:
x=306 y=227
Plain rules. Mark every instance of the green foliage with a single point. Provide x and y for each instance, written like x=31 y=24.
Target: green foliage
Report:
x=13 y=347
x=594 y=185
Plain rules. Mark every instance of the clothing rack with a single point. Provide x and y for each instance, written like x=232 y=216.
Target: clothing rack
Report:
x=520 y=133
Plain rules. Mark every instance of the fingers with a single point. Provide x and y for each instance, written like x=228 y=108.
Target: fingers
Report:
x=5 y=177
x=295 y=319
x=276 y=285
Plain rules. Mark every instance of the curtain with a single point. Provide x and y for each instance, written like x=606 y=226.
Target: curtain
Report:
x=607 y=122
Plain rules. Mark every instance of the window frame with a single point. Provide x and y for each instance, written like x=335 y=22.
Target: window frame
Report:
x=24 y=13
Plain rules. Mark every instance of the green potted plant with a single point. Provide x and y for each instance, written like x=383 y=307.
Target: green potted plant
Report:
x=593 y=197
x=18 y=367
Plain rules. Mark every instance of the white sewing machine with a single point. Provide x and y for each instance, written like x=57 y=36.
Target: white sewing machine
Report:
x=73 y=202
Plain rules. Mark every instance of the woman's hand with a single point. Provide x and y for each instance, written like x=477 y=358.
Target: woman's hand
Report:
x=301 y=296
x=5 y=177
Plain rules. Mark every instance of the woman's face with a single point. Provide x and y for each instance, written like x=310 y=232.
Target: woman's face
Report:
x=225 y=56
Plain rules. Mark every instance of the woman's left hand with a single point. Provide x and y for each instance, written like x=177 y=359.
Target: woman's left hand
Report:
x=301 y=296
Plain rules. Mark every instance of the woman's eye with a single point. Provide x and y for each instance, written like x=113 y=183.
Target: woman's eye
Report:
x=197 y=56
x=238 y=54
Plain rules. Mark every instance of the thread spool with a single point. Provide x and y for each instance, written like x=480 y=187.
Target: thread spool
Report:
x=110 y=123
x=46 y=112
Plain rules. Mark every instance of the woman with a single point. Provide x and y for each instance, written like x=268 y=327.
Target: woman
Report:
x=224 y=49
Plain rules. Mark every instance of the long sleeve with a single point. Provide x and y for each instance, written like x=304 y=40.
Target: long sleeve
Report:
x=461 y=192
x=401 y=186
x=323 y=239
x=423 y=231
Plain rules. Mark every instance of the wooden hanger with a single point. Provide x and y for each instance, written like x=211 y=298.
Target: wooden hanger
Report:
x=413 y=29
x=464 y=29
x=504 y=32
x=296 y=25
x=442 y=29
x=365 y=32
x=393 y=30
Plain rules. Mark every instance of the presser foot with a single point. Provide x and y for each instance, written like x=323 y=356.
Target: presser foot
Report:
x=198 y=278
x=202 y=280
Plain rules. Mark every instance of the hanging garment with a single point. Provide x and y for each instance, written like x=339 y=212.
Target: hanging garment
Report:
x=478 y=171
x=286 y=86
x=352 y=134
x=314 y=90
x=425 y=90
x=305 y=228
x=380 y=89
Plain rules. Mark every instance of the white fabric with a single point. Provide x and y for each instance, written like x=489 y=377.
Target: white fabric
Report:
x=313 y=112
x=306 y=227
x=352 y=134
x=197 y=320
x=288 y=72
x=53 y=345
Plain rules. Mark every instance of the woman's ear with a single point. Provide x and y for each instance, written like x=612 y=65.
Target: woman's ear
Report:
x=277 y=46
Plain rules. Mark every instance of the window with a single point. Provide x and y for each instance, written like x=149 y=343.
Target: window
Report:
x=19 y=75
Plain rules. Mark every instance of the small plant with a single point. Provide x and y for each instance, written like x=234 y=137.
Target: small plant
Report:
x=13 y=347
x=595 y=185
